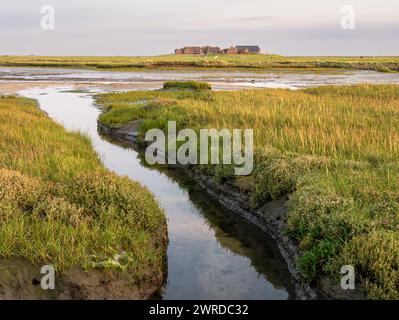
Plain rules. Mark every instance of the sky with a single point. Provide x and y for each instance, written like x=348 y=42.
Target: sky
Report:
x=154 y=27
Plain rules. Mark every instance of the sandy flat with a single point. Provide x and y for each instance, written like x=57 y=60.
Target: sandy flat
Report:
x=15 y=86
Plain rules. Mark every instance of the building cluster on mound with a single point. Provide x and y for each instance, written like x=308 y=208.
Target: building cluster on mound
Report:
x=218 y=50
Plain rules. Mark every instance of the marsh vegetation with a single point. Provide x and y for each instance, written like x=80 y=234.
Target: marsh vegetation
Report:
x=255 y=62
x=333 y=150
x=60 y=206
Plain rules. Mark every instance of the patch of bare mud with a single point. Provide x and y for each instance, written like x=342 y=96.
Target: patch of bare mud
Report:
x=20 y=280
x=14 y=87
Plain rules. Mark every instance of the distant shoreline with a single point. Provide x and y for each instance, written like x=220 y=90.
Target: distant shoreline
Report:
x=171 y=62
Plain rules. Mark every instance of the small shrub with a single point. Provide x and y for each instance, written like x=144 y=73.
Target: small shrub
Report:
x=278 y=177
x=224 y=173
x=375 y=257
x=20 y=191
x=57 y=209
x=310 y=264
x=318 y=212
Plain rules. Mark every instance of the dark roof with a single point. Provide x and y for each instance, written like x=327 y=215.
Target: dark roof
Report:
x=250 y=48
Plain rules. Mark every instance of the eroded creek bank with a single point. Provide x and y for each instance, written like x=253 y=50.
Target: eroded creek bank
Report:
x=20 y=280
x=270 y=218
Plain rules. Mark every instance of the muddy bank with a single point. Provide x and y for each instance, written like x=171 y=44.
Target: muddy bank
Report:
x=7 y=87
x=221 y=79
x=20 y=280
x=271 y=218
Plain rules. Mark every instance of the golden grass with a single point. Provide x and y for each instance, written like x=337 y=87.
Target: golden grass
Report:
x=261 y=61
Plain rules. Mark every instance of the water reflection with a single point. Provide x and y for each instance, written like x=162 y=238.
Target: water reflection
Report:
x=219 y=78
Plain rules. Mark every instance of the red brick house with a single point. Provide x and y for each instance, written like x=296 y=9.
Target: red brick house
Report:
x=231 y=50
x=210 y=50
x=217 y=50
x=242 y=50
x=192 y=50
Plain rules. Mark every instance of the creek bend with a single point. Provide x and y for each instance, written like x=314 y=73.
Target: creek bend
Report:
x=212 y=253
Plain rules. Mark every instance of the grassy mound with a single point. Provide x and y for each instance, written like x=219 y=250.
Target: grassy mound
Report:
x=186 y=85
x=60 y=206
x=333 y=150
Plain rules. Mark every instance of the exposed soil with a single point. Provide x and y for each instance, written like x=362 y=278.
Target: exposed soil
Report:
x=21 y=280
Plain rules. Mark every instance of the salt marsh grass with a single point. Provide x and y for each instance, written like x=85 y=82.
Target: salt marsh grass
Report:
x=255 y=62
x=60 y=206
x=333 y=150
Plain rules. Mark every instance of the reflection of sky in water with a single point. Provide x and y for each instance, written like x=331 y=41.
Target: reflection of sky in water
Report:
x=199 y=267
x=219 y=78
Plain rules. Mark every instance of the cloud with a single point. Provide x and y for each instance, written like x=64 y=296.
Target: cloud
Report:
x=141 y=27
x=257 y=19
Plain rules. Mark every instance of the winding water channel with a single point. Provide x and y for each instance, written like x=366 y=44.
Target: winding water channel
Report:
x=212 y=254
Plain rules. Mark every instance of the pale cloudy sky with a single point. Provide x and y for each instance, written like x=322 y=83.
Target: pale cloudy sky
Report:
x=151 y=27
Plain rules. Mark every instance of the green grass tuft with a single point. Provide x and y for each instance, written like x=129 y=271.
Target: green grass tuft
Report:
x=186 y=85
